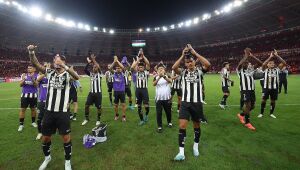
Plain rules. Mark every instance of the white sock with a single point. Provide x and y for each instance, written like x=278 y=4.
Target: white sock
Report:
x=195 y=147
x=181 y=150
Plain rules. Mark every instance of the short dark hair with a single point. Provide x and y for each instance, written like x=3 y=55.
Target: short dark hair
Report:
x=141 y=64
x=62 y=57
x=30 y=65
x=161 y=65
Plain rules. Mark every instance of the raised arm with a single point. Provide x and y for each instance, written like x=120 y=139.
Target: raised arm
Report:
x=259 y=63
x=22 y=81
x=34 y=61
x=205 y=63
x=93 y=59
x=146 y=62
x=134 y=64
x=116 y=62
x=176 y=65
x=279 y=58
x=264 y=65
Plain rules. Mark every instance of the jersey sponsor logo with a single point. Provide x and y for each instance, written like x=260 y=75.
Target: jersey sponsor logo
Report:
x=57 y=83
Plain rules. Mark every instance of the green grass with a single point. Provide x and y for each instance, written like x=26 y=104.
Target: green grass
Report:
x=225 y=143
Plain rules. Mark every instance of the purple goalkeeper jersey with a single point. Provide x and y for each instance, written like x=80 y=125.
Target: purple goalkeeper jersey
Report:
x=119 y=82
x=28 y=89
x=43 y=90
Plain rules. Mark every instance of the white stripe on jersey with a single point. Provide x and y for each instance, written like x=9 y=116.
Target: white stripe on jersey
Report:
x=225 y=73
x=246 y=79
x=142 y=79
x=192 y=86
x=67 y=94
x=271 y=79
x=95 y=83
x=176 y=84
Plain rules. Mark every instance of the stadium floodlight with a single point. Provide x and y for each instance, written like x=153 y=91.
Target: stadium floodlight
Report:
x=96 y=29
x=7 y=3
x=70 y=23
x=206 y=17
x=196 y=20
x=217 y=12
x=111 y=31
x=180 y=25
x=237 y=3
x=156 y=29
x=227 y=8
x=49 y=17
x=87 y=27
x=140 y=30
x=23 y=9
x=15 y=3
x=164 y=28
x=148 y=29
x=35 y=11
x=188 y=23
x=80 y=25
x=61 y=21
x=172 y=26
x=104 y=30
x=1 y=1
x=245 y=0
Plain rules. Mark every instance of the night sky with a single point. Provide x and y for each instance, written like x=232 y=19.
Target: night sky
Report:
x=128 y=13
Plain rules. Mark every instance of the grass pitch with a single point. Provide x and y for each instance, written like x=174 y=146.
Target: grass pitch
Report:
x=224 y=143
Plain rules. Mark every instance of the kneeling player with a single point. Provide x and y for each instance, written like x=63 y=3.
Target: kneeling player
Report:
x=271 y=82
x=192 y=97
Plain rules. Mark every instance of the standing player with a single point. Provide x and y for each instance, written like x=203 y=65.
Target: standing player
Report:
x=119 y=88
x=162 y=96
x=283 y=73
x=43 y=86
x=271 y=82
x=128 y=78
x=56 y=115
x=245 y=72
x=95 y=94
x=141 y=70
x=109 y=81
x=29 y=96
x=192 y=97
x=176 y=87
x=75 y=85
x=226 y=82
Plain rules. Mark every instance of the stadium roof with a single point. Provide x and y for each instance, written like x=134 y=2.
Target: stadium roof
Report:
x=256 y=17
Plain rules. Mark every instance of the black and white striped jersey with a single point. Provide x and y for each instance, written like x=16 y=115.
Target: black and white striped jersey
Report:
x=271 y=78
x=192 y=86
x=127 y=75
x=58 y=91
x=246 y=79
x=142 y=79
x=95 y=82
x=176 y=83
x=109 y=76
x=225 y=77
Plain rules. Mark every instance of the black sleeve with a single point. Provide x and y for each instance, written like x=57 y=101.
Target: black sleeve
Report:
x=86 y=70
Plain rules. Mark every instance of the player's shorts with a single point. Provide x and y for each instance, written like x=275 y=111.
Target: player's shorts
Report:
x=109 y=87
x=178 y=91
x=94 y=98
x=192 y=111
x=248 y=96
x=142 y=96
x=225 y=89
x=41 y=110
x=128 y=91
x=119 y=96
x=73 y=95
x=272 y=93
x=28 y=102
x=56 y=120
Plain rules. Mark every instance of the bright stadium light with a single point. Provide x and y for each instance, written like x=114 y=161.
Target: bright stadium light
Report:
x=7 y=3
x=188 y=23
x=245 y=0
x=217 y=12
x=164 y=28
x=104 y=30
x=96 y=29
x=180 y=25
x=70 y=23
x=87 y=27
x=15 y=3
x=23 y=9
x=227 y=8
x=206 y=17
x=111 y=31
x=148 y=29
x=172 y=26
x=1 y=1
x=80 y=25
x=140 y=30
x=196 y=20
x=156 y=29
x=237 y=3
x=35 y=11
x=49 y=17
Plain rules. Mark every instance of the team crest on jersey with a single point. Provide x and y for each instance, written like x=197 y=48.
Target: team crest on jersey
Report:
x=192 y=77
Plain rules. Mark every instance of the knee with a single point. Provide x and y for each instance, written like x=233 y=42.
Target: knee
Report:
x=46 y=139
x=196 y=124
x=66 y=138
